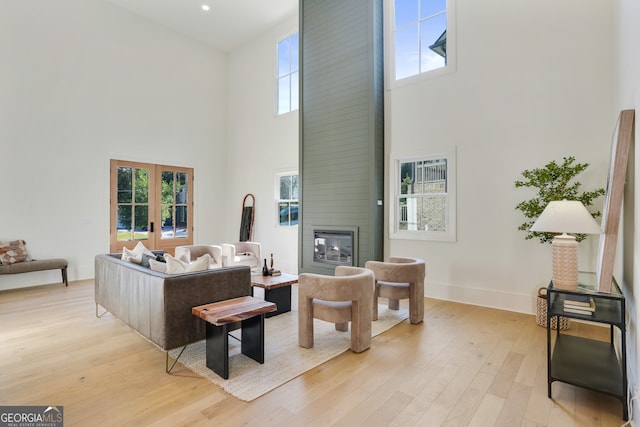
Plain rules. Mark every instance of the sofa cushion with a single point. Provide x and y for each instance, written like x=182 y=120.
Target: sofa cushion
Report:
x=14 y=251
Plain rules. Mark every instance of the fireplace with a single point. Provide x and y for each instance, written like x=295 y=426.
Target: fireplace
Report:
x=335 y=245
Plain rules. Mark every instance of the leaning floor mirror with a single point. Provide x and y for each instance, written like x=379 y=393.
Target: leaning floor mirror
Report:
x=613 y=199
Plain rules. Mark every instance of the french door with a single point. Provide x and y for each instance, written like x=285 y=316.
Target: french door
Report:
x=152 y=204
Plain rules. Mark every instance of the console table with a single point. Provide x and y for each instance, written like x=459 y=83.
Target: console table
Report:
x=585 y=362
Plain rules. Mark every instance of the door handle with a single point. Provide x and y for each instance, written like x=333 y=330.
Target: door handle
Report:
x=151 y=228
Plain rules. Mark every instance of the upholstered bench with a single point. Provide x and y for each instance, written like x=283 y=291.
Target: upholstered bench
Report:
x=37 y=265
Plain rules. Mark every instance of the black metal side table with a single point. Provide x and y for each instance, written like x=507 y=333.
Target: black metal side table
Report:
x=585 y=362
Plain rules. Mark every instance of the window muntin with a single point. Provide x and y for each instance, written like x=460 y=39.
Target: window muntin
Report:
x=419 y=36
x=287 y=199
x=287 y=80
x=424 y=206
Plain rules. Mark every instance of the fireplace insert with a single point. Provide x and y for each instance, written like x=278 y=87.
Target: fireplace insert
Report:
x=334 y=246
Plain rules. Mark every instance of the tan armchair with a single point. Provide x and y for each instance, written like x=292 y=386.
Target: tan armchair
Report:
x=400 y=278
x=193 y=252
x=340 y=299
x=242 y=253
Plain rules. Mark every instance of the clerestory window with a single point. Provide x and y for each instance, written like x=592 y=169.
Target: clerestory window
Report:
x=422 y=33
x=287 y=80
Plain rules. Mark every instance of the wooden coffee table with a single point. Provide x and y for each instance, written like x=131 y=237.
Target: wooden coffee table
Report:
x=220 y=316
x=277 y=289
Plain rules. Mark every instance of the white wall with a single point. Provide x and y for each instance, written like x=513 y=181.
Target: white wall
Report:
x=261 y=144
x=627 y=90
x=533 y=84
x=83 y=81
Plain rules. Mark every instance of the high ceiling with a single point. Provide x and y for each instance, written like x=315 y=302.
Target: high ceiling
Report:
x=228 y=23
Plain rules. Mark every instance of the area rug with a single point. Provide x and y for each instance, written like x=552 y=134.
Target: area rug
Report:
x=284 y=359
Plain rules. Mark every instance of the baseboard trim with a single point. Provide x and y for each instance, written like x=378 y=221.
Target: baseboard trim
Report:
x=511 y=301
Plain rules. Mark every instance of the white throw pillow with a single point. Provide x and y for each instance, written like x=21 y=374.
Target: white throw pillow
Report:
x=135 y=254
x=158 y=266
x=131 y=256
x=200 y=264
x=174 y=265
x=177 y=266
x=142 y=249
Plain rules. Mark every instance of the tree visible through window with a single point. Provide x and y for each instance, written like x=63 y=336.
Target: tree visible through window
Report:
x=287 y=202
x=288 y=74
x=420 y=35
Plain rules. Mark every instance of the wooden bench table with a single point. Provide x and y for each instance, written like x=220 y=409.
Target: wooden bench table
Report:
x=277 y=289
x=220 y=316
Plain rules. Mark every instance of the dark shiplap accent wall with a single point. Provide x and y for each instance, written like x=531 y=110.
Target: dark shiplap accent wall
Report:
x=341 y=124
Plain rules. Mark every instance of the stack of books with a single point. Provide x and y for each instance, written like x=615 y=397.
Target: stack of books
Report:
x=579 y=304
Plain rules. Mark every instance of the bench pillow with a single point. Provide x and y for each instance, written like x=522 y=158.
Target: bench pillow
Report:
x=12 y=252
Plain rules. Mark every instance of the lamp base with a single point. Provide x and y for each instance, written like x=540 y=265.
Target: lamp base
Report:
x=565 y=262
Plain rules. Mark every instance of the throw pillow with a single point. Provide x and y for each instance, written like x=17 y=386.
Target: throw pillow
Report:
x=174 y=265
x=131 y=256
x=135 y=254
x=14 y=251
x=145 y=261
x=200 y=264
x=177 y=266
x=158 y=266
x=142 y=249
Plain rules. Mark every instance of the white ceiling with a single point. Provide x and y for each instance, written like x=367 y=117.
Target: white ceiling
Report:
x=227 y=25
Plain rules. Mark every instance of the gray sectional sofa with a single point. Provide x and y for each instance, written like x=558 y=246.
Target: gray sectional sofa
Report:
x=158 y=305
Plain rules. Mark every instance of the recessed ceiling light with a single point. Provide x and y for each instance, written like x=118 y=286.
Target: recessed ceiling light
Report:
x=205 y=7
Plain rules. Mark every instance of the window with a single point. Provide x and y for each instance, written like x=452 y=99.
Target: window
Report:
x=424 y=206
x=288 y=75
x=287 y=199
x=420 y=36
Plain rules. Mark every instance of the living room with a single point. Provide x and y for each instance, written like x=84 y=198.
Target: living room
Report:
x=87 y=81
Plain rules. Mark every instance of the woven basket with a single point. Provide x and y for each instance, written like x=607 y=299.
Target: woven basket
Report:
x=541 y=313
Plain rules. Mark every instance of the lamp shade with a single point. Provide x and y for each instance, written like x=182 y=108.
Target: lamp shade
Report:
x=566 y=216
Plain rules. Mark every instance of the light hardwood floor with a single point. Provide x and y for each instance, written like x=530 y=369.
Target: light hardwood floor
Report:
x=465 y=365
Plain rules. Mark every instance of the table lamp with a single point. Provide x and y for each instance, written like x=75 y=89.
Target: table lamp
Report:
x=565 y=216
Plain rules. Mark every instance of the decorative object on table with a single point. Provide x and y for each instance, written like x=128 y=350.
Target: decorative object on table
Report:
x=579 y=304
x=565 y=216
x=265 y=269
x=613 y=199
x=271 y=263
x=541 y=313
x=553 y=182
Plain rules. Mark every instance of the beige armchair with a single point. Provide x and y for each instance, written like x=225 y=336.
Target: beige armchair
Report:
x=340 y=299
x=400 y=278
x=193 y=252
x=242 y=253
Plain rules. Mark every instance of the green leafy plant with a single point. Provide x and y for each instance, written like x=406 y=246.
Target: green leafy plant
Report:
x=553 y=182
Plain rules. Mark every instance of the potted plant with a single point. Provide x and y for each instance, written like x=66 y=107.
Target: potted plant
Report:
x=553 y=182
